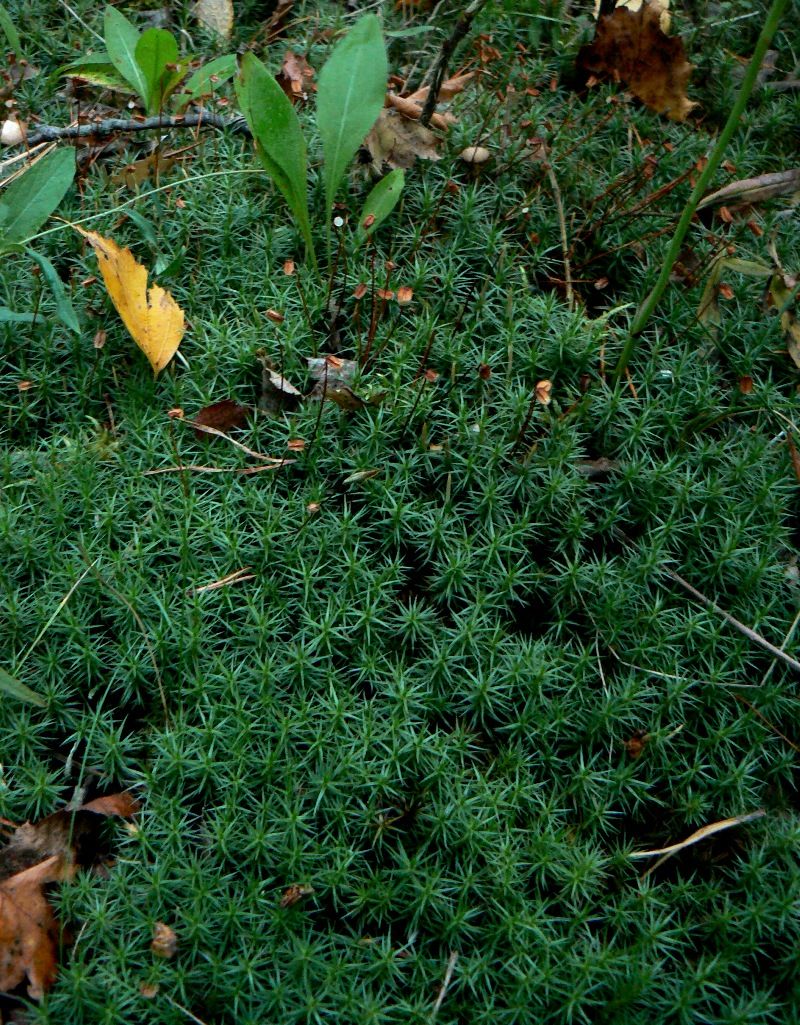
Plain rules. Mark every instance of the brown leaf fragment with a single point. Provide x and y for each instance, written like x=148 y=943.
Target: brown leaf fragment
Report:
x=277 y=394
x=702 y=834
x=597 y=469
x=636 y=743
x=29 y=933
x=141 y=171
x=165 y=942
x=542 y=392
x=395 y=141
x=756 y=190
x=295 y=77
x=780 y=294
x=292 y=894
x=223 y=415
x=631 y=47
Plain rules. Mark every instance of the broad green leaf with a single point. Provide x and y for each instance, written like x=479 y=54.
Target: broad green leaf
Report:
x=155 y=50
x=34 y=196
x=122 y=39
x=200 y=82
x=8 y=316
x=10 y=32
x=352 y=86
x=66 y=313
x=380 y=203
x=18 y=690
x=279 y=139
x=98 y=71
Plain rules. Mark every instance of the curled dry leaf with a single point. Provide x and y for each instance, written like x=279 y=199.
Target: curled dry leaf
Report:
x=292 y=894
x=295 y=77
x=152 y=317
x=542 y=392
x=395 y=141
x=277 y=394
x=631 y=47
x=756 y=190
x=165 y=942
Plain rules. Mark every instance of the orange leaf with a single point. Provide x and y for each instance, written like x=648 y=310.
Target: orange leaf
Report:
x=28 y=929
x=152 y=317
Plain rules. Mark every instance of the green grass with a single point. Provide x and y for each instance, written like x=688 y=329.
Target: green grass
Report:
x=418 y=707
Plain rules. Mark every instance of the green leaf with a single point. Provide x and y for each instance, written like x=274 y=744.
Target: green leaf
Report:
x=279 y=139
x=18 y=690
x=8 y=316
x=380 y=203
x=8 y=30
x=199 y=83
x=96 y=69
x=34 y=196
x=66 y=313
x=155 y=50
x=122 y=39
x=352 y=86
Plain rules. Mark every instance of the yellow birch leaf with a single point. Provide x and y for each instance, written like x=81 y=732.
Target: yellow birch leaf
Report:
x=153 y=318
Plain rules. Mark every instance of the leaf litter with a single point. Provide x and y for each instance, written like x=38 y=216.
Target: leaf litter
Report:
x=37 y=855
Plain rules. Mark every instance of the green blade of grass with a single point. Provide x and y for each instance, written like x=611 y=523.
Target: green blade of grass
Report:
x=11 y=685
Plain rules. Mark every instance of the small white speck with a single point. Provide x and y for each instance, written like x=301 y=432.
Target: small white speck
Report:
x=526 y=209
x=338 y=222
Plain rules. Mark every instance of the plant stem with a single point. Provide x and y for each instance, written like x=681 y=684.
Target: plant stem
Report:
x=646 y=309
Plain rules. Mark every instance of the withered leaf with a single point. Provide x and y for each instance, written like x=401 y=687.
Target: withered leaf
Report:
x=165 y=942
x=36 y=855
x=295 y=76
x=631 y=47
x=756 y=190
x=141 y=171
x=223 y=415
x=396 y=141
x=277 y=394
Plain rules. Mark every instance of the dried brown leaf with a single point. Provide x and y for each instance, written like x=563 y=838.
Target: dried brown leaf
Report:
x=395 y=141
x=631 y=47
x=756 y=190
x=223 y=415
x=165 y=942
x=295 y=77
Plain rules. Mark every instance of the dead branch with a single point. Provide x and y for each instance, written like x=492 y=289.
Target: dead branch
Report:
x=439 y=70
x=122 y=125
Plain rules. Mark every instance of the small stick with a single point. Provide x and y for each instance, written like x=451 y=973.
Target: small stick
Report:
x=448 y=976
x=112 y=125
x=744 y=630
x=562 y=224
x=462 y=26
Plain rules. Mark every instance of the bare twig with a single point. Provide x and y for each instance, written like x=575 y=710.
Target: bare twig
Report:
x=439 y=70
x=114 y=125
x=448 y=976
x=744 y=630
x=562 y=225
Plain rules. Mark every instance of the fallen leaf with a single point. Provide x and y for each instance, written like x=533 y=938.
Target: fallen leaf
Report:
x=223 y=416
x=216 y=15
x=141 y=171
x=29 y=934
x=756 y=190
x=292 y=894
x=542 y=392
x=780 y=294
x=701 y=834
x=49 y=851
x=636 y=743
x=277 y=394
x=152 y=317
x=631 y=47
x=295 y=76
x=395 y=141
x=165 y=942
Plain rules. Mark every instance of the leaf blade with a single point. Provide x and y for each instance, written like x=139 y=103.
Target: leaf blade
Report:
x=379 y=203
x=122 y=38
x=350 y=96
x=155 y=49
x=276 y=129
x=9 y=30
x=35 y=195
x=64 y=308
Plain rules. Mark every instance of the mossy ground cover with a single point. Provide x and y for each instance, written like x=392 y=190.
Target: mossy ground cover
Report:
x=418 y=705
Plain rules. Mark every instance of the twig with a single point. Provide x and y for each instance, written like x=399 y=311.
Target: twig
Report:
x=113 y=125
x=562 y=225
x=448 y=976
x=462 y=26
x=744 y=630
